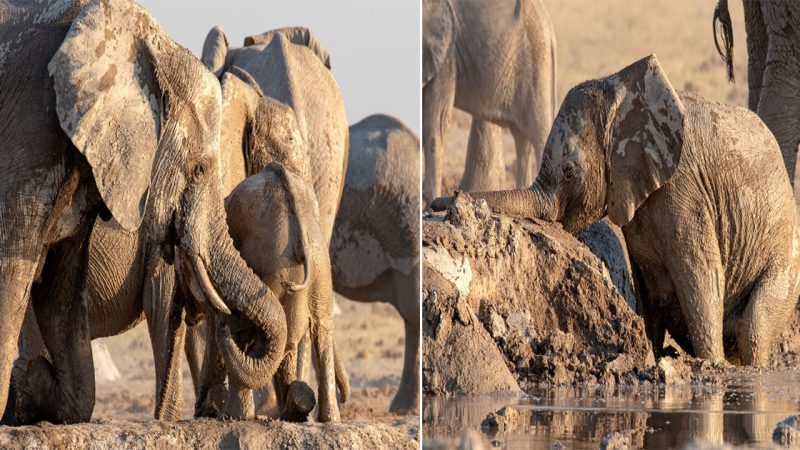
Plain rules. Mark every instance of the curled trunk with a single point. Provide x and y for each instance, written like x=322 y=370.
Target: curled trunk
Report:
x=253 y=301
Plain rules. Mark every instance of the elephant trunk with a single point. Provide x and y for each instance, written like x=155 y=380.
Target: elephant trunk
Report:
x=530 y=202
x=247 y=295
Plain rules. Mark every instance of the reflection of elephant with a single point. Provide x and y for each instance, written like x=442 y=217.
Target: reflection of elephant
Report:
x=375 y=250
x=495 y=60
x=280 y=244
x=773 y=69
x=676 y=173
x=140 y=143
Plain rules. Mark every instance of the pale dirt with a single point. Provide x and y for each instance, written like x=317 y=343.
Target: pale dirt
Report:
x=597 y=38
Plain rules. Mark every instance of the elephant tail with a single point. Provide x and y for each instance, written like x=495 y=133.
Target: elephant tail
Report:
x=725 y=29
x=301 y=228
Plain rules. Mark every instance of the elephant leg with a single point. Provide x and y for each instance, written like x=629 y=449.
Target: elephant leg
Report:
x=648 y=309
x=164 y=312
x=484 y=169
x=212 y=390
x=699 y=289
x=757 y=45
x=194 y=348
x=779 y=108
x=321 y=306
x=438 y=97
x=304 y=358
x=768 y=311
x=406 y=301
x=524 y=166
x=62 y=314
x=296 y=307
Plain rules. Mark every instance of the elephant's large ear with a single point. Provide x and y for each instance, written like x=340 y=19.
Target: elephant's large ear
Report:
x=109 y=100
x=239 y=103
x=296 y=35
x=438 y=36
x=644 y=136
x=215 y=50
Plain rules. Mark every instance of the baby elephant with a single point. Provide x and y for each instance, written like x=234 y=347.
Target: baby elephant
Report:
x=703 y=199
x=273 y=219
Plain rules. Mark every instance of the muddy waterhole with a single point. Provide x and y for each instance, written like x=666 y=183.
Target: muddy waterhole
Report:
x=740 y=410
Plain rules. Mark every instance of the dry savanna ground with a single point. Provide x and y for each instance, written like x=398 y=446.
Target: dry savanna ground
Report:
x=370 y=337
x=597 y=38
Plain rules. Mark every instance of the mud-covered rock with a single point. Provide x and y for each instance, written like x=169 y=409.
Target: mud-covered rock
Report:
x=506 y=419
x=528 y=294
x=209 y=434
x=787 y=432
x=616 y=441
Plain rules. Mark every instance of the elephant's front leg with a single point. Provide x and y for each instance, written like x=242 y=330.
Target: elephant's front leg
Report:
x=407 y=304
x=62 y=314
x=438 y=97
x=292 y=408
x=211 y=390
x=698 y=279
x=484 y=169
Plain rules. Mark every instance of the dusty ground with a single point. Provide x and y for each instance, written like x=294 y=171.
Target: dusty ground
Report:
x=370 y=337
x=597 y=38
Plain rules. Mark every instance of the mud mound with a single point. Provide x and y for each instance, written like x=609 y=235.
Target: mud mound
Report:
x=528 y=291
x=209 y=434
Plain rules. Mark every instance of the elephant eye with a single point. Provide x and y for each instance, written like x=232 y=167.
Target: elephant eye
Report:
x=569 y=170
x=199 y=172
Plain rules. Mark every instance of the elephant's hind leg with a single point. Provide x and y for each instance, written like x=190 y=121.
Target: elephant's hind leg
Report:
x=525 y=165
x=484 y=169
x=321 y=306
x=407 y=303
x=766 y=315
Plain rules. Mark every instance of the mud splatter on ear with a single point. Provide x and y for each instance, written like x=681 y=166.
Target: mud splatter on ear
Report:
x=644 y=136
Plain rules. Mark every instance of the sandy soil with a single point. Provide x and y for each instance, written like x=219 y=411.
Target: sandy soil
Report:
x=370 y=337
x=595 y=39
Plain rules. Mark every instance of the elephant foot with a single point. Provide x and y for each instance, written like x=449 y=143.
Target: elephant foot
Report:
x=300 y=401
x=402 y=403
x=210 y=403
x=239 y=404
x=35 y=388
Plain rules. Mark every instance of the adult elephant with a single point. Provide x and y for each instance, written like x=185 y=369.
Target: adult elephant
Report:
x=496 y=61
x=375 y=246
x=773 y=67
x=676 y=172
x=124 y=124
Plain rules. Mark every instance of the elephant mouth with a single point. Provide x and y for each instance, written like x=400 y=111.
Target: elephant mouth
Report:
x=200 y=283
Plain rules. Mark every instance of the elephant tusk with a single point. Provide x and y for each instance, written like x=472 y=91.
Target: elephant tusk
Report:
x=201 y=276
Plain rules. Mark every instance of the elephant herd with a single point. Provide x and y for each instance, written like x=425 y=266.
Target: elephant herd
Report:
x=702 y=191
x=221 y=199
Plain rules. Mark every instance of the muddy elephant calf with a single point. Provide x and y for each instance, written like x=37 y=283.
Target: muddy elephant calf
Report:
x=701 y=193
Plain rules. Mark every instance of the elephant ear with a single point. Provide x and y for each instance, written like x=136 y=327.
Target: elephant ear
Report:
x=644 y=138
x=438 y=36
x=215 y=50
x=295 y=35
x=239 y=103
x=109 y=100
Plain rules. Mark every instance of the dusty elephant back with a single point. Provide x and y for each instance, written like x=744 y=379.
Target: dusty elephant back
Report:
x=294 y=75
x=377 y=227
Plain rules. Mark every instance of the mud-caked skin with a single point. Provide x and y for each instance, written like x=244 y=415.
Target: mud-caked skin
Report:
x=374 y=250
x=496 y=61
x=109 y=115
x=701 y=193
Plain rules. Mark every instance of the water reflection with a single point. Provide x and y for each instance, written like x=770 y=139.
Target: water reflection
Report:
x=742 y=410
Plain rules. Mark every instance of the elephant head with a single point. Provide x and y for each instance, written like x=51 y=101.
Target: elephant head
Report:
x=438 y=36
x=258 y=128
x=614 y=142
x=146 y=116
